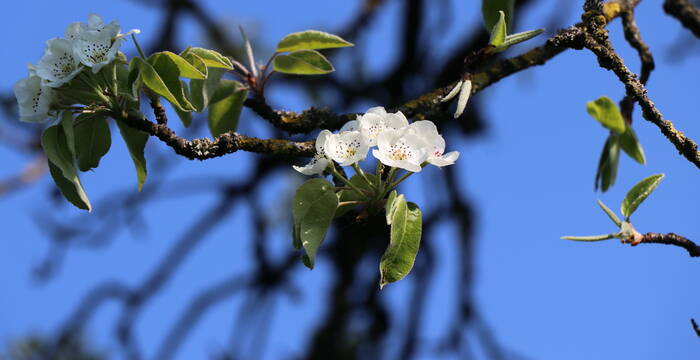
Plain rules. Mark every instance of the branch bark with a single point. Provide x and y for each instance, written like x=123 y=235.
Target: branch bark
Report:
x=230 y=142
x=686 y=13
x=672 y=239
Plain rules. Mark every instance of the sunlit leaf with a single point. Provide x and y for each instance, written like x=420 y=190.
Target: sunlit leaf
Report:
x=498 y=33
x=310 y=40
x=490 y=9
x=211 y=58
x=610 y=214
x=303 y=62
x=186 y=69
x=631 y=146
x=406 y=228
x=639 y=193
x=607 y=113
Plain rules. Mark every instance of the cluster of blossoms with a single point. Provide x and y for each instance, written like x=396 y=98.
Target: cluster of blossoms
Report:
x=92 y=45
x=398 y=144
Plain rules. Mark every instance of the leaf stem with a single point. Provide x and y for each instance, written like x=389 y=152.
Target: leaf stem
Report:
x=342 y=178
x=138 y=47
x=362 y=174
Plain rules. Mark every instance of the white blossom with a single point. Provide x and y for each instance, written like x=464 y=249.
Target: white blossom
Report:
x=33 y=97
x=347 y=147
x=402 y=149
x=59 y=65
x=434 y=142
x=320 y=161
x=376 y=120
x=96 y=43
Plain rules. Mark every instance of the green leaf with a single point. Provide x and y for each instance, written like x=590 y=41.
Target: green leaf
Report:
x=352 y=195
x=310 y=40
x=607 y=165
x=406 y=228
x=72 y=189
x=606 y=112
x=56 y=148
x=185 y=68
x=153 y=81
x=498 y=33
x=201 y=91
x=60 y=160
x=315 y=203
x=136 y=143
x=303 y=62
x=169 y=74
x=225 y=113
x=514 y=39
x=610 y=214
x=589 y=238
x=490 y=9
x=185 y=116
x=92 y=140
x=68 y=130
x=631 y=146
x=390 y=206
x=639 y=193
x=211 y=58
x=134 y=81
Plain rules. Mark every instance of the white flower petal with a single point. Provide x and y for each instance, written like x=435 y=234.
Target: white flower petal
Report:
x=316 y=166
x=352 y=125
x=96 y=49
x=371 y=125
x=379 y=110
x=448 y=159
x=33 y=98
x=402 y=149
x=347 y=148
x=396 y=120
x=322 y=140
x=95 y=22
x=58 y=65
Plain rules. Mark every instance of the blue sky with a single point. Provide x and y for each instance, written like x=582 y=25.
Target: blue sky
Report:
x=530 y=178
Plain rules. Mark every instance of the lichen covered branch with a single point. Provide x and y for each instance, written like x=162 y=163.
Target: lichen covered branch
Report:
x=230 y=142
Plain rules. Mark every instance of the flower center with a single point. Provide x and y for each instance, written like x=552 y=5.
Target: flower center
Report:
x=346 y=149
x=63 y=66
x=96 y=52
x=35 y=101
x=400 y=152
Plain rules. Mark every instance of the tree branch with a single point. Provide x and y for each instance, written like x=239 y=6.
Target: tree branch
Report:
x=672 y=239
x=230 y=142
x=686 y=13
x=695 y=327
x=596 y=41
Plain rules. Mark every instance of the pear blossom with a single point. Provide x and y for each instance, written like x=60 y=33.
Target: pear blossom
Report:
x=402 y=149
x=320 y=161
x=58 y=65
x=33 y=97
x=434 y=142
x=347 y=147
x=96 y=43
x=376 y=120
